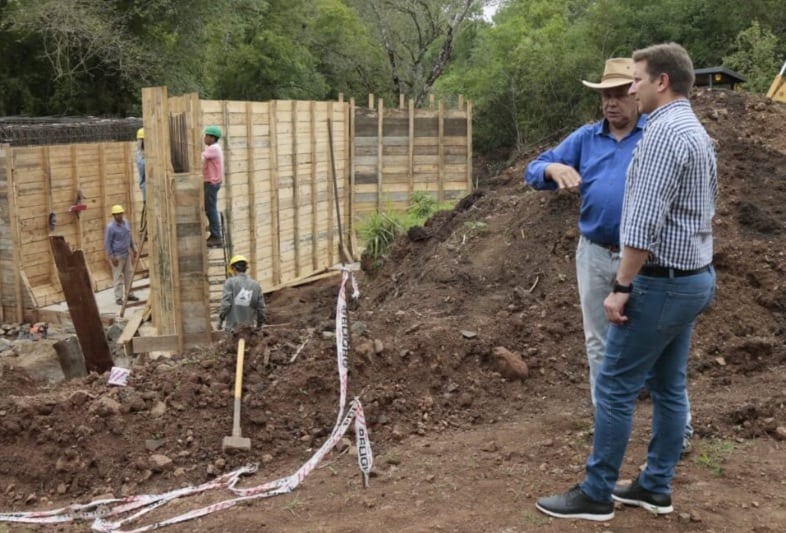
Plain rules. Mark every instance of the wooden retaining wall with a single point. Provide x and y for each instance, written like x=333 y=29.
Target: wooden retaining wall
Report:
x=283 y=183
x=38 y=180
x=399 y=151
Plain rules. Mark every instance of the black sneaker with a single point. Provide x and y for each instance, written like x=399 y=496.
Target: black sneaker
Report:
x=635 y=494
x=575 y=504
x=132 y=298
x=214 y=242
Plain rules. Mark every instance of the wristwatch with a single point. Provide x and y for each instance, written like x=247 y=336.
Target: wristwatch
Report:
x=625 y=289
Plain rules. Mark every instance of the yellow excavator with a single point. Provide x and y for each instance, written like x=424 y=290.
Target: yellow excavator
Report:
x=777 y=92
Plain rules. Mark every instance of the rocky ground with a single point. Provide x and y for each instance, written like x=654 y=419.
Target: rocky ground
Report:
x=463 y=441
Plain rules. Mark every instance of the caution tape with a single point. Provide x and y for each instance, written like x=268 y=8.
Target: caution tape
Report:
x=102 y=511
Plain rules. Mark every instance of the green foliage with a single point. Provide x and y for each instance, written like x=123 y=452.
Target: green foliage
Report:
x=380 y=230
x=755 y=57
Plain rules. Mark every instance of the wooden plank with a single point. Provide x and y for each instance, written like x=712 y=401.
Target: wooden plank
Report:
x=131 y=327
x=313 y=152
x=82 y=305
x=16 y=240
x=380 y=127
x=252 y=214
x=441 y=152
x=469 y=145
x=274 y=192
x=295 y=190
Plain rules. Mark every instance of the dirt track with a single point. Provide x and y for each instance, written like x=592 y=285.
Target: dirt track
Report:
x=458 y=447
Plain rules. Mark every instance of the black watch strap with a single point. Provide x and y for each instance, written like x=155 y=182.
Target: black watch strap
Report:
x=625 y=289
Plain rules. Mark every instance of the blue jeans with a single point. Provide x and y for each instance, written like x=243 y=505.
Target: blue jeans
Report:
x=211 y=208
x=596 y=269
x=650 y=349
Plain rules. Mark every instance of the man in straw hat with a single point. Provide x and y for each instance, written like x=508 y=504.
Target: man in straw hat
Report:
x=664 y=281
x=592 y=161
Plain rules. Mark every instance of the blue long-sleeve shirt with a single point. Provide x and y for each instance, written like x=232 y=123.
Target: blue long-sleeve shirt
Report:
x=118 y=239
x=601 y=161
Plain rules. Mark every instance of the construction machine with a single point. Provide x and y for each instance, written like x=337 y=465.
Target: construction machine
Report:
x=777 y=92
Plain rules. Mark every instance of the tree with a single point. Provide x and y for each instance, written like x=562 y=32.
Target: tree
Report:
x=418 y=38
x=755 y=57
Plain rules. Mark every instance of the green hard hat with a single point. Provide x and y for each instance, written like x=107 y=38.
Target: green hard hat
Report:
x=215 y=131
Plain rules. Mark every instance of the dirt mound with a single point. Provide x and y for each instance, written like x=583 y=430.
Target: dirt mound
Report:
x=497 y=271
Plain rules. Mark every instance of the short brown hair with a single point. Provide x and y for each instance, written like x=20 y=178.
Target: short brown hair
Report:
x=671 y=59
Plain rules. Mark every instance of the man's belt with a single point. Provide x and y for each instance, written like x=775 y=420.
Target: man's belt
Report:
x=657 y=271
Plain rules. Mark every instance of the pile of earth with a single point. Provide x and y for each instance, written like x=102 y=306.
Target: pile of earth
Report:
x=497 y=271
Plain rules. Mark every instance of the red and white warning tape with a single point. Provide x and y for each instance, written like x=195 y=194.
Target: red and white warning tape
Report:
x=100 y=511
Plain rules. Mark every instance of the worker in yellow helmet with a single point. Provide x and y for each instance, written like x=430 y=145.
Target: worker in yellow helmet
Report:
x=242 y=302
x=120 y=251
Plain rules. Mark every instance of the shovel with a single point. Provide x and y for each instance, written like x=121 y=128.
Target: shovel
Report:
x=236 y=440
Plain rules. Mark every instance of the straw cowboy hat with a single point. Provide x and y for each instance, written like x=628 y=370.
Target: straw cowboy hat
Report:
x=617 y=72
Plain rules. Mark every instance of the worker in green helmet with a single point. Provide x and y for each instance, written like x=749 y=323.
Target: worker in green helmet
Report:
x=213 y=173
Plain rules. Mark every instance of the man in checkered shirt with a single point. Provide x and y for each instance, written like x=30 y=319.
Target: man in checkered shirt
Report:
x=664 y=282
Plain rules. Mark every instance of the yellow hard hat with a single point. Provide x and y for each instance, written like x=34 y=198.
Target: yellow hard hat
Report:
x=237 y=259
x=140 y=133
x=117 y=209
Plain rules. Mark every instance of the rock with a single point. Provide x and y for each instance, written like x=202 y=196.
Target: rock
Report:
x=343 y=444
x=31 y=499
x=113 y=332
x=490 y=446
x=5 y=344
x=160 y=463
x=510 y=364
x=378 y=346
x=359 y=327
x=695 y=516
x=468 y=334
x=780 y=433
x=104 y=407
x=158 y=410
x=80 y=397
x=154 y=444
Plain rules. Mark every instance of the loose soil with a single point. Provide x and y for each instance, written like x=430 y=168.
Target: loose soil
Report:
x=460 y=444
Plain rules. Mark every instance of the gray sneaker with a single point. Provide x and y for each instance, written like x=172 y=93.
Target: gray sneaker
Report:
x=635 y=494
x=575 y=504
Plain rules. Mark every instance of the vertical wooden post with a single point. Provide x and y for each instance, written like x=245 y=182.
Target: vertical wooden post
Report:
x=371 y=101
x=295 y=191
x=349 y=193
x=252 y=206
x=314 y=189
x=330 y=197
x=431 y=101
x=402 y=101
x=460 y=102
x=380 y=138
x=469 y=145
x=228 y=178
x=411 y=150
x=102 y=179
x=441 y=153
x=274 y=209
x=16 y=241
x=76 y=187
x=46 y=168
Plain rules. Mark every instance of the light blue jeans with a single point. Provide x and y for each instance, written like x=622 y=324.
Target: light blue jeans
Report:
x=650 y=349
x=596 y=269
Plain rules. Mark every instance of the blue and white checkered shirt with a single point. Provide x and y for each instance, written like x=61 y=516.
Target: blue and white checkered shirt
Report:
x=670 y=190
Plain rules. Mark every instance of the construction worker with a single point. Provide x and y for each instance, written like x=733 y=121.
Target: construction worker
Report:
x=242 y=302
x=120 y=251
x=213 y=173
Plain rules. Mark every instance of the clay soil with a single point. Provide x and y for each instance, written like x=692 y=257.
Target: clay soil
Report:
x=458 y=446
